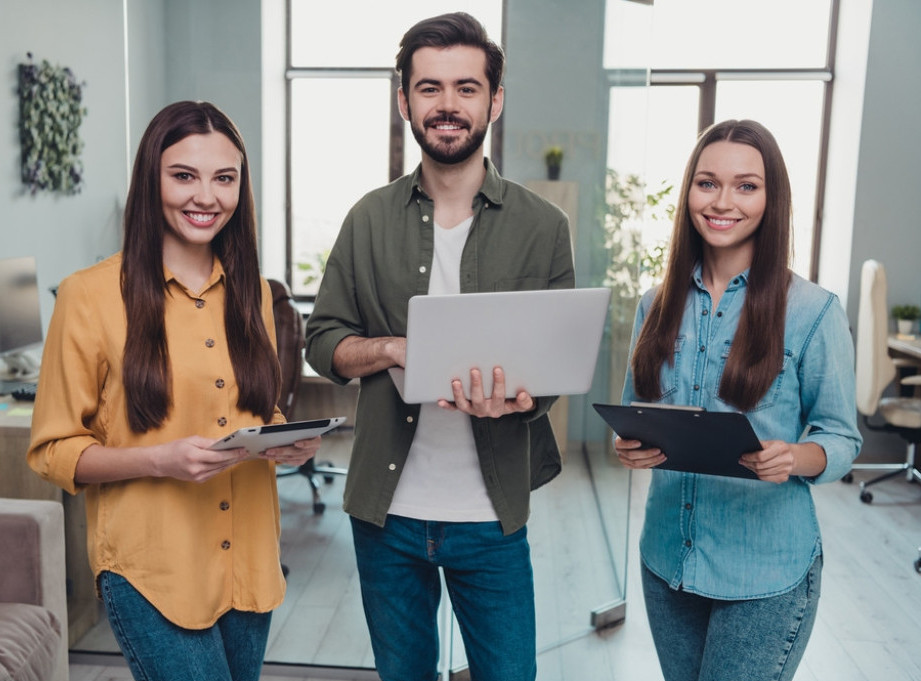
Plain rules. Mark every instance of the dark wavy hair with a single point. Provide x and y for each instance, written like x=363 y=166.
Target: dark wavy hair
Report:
x=756 y=356
x=146 y=370
x=447 y=30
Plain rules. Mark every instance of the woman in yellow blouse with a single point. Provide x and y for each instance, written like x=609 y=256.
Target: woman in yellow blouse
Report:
x=151 y=356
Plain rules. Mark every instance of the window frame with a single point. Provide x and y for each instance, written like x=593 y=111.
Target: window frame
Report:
x=706 y=81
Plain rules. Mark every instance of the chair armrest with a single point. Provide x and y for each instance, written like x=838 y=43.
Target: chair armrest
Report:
x=911 y=380
x=50 y=590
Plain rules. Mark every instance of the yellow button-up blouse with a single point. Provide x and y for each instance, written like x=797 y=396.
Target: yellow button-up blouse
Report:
x=193 y=550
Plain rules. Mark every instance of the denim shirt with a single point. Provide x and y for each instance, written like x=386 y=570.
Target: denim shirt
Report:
x=732 y=538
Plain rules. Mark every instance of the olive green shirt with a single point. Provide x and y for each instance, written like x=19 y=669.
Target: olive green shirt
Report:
x=382 y=257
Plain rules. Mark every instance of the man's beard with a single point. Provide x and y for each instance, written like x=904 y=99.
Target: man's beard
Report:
x=452 y=152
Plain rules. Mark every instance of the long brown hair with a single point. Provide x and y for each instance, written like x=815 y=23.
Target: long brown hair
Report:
x=756 y=356
x=147 y=377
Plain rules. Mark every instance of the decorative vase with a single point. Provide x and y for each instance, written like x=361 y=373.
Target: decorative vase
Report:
x=905 y=326
x=553 y=171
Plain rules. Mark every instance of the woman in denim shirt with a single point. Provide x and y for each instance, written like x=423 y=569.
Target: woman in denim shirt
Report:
x=731 y=567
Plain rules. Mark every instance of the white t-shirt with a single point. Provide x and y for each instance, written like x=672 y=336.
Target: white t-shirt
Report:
x=442 y=479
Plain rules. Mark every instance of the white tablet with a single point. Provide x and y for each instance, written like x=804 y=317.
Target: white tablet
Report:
x=546 y=341
x=259 y=438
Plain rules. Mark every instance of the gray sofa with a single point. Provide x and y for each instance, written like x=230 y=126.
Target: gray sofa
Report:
x=33 y=599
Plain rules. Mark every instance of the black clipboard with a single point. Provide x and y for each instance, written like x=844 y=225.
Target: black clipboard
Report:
x=693 y=439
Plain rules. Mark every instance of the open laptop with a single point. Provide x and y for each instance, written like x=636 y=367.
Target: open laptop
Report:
x=546 y=342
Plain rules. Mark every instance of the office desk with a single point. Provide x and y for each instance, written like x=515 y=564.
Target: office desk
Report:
x=907 y=346
x=17 y=481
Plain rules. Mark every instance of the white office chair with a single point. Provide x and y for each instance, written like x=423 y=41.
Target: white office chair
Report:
x=875 y=372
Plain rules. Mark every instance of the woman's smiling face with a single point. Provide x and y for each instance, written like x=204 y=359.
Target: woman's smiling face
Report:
x=727 y=197
x=199 y=187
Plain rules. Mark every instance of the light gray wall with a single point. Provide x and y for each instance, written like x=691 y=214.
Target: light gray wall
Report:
x=147 y=49
x=886 y=222
x=65 y=233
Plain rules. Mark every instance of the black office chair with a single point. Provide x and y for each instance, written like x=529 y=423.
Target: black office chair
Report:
x=289 y=333
x=875 y=372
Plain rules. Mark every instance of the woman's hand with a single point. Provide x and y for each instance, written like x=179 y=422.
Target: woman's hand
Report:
x=190 y=459
x=295 y=455
x=778 y=460
x=632 y=455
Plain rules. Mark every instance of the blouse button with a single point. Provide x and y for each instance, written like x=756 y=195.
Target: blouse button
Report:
x=225 y=505
x=209 y=343
x=392 y=467
x=225 y=544
x=222 y=421
x=199 y=303
x=219 y=383
x=425 y=218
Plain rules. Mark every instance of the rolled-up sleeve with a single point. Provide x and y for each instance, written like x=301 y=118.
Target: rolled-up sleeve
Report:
x=72 y=372
x=335 y=315
x=828 y=393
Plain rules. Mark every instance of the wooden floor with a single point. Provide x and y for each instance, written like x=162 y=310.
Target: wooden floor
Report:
x=867 y=629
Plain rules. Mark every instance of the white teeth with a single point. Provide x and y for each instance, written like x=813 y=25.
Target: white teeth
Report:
x=722 y=223
x=201 y=217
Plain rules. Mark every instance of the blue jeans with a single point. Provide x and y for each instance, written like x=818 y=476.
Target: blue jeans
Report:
x=158 y=650
x=704 y=639
x=489 y=580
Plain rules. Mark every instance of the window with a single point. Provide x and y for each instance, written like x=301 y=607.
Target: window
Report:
x=345 y=133
x=718 y=59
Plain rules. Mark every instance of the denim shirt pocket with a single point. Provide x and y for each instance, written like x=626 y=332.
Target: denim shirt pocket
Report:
x=671 y=373
x=773 y=393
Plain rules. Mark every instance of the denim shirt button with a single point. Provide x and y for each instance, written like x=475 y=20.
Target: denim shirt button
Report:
x=689 y=506
x=687 y=542
x=703 y=348
x=705 y=313
x=696 y=387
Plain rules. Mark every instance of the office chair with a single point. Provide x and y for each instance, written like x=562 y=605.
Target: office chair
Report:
x=289 y=333
x=876 y=370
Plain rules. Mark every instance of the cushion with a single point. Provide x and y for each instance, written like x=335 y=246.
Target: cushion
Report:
x=29 y=640
x=20 y=559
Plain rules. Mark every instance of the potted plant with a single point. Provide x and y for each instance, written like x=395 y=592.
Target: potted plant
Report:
x=553 y=157
x=905 y=317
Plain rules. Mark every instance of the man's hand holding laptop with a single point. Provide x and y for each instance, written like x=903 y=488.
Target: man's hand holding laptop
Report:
x=477 y=404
